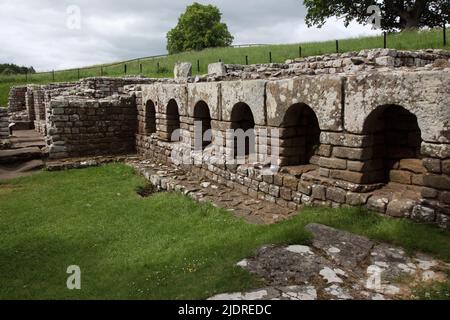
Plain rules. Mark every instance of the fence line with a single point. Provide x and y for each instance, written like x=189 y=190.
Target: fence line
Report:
x=162 y=68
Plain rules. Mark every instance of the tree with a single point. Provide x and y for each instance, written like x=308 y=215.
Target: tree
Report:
x=198 y=28
x=395 y=14
x=8 y=68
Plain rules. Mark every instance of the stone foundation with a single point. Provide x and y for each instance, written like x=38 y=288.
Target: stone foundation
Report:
x=357 y=129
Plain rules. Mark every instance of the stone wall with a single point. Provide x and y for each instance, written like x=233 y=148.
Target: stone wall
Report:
x=16 y=100
x=381 y=138
x=81 y=127
x=367 y=128
x=4 y=129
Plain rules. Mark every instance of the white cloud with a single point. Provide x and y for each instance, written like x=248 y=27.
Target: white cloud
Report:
x=35 y=32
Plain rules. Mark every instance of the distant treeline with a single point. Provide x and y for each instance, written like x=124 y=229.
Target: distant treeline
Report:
x=8 y=68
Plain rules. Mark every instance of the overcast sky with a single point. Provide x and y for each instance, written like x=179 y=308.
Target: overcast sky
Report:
x=36 y=33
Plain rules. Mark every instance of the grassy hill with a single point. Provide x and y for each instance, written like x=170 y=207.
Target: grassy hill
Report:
x=258 y=54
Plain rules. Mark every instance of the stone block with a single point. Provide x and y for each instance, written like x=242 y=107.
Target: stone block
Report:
x=290 y=182
x=286 y=193
x=377 y=203
x=441 y=182
x=353 y=153
x=333 y=163
x=399 y=176
x=336 y=195
x=423 y=214
x=182 y=70
x=350 y=176
x=413 y=165
x=446 y=166
x=318 y=192
x=400 y=208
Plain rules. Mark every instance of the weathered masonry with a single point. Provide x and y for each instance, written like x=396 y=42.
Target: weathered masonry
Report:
x=358 y=129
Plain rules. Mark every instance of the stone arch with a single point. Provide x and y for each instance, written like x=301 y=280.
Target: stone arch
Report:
x=150 y=117
x=172 y=118
x=202 y=114
x=299 y=136
x=242 y=118
x=396 y=144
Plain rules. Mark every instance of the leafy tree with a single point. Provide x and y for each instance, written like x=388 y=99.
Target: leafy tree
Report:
x=8 y=68
x=198 y=28
x=395 y=14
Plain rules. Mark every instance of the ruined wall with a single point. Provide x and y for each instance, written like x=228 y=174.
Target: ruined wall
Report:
x=367 y=128
x=379 y=136
x=16 y=100
x=4 y=129
x=91 y=127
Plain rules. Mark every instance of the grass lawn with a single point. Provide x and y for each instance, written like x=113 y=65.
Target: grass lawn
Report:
x=162 y=247
x=405 y=40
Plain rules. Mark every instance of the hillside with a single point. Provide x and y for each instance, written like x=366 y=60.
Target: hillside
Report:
x=256 y=54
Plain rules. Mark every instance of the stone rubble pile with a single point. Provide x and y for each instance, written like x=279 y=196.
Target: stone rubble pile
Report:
x=377 y=60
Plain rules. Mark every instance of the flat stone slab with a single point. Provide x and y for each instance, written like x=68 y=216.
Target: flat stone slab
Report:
x=14 y=155
x=337 y=266
x=344 y=248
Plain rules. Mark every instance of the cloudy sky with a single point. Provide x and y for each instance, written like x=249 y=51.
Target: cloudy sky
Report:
x=45 y=33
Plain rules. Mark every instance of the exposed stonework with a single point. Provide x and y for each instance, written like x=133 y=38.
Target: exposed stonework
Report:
x=4 y=129
x=16 y=100
x=367 y=128
x=338 y=266
x=91 y=127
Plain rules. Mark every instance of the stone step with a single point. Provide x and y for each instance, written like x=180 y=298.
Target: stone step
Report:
x=23 y=125
x=27 y=144
x=27 y=168
x=20 y=155
x=31 y=165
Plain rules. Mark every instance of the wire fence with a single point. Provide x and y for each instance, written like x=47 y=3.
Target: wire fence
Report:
x=158 y=65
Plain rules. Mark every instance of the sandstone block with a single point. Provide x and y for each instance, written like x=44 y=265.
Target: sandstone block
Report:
x=336 y=195
x=400 y=176
x=353 y=153
x=333 y=163
x=182 y=70
x=441 y=182
x=400 y=208
x=413 y=165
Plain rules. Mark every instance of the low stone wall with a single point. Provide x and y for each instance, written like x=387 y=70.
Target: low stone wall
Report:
x=86 y=127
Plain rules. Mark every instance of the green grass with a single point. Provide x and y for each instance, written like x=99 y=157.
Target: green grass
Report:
x=162 y=247
x=437 y=291
x=280 y=53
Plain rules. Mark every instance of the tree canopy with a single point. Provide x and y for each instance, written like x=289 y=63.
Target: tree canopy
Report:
x=8 y=68
x=198 y=28
x=395 y=14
